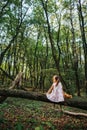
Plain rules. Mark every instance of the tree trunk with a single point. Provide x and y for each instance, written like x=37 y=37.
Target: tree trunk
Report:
x=82 y=28
x=75 y=53
x=17 y=81
x=55 y=53
x=42 y=97
x=2 y=99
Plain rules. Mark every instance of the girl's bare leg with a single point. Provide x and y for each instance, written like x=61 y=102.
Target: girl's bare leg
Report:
x=61 y=108
x=54 y=105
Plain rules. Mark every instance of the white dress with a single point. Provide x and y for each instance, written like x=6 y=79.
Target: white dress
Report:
x=57 y=93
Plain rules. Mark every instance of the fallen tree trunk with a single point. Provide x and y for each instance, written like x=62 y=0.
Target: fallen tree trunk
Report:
x=2 y=99
x=17 y=82
x=42 y=97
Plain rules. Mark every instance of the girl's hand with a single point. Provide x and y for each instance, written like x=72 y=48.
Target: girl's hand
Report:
x=67 y=95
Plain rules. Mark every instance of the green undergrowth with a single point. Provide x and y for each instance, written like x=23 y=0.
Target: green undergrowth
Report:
x=23 y=114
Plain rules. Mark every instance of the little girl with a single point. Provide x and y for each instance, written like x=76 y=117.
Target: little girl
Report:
x=55 y=93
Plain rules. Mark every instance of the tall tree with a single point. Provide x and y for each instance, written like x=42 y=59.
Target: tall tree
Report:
x=83 y=35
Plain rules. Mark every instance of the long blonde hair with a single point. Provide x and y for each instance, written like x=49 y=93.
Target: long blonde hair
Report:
x=57 y=79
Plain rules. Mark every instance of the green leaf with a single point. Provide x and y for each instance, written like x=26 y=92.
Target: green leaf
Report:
x=39 y=128
x=19 y=126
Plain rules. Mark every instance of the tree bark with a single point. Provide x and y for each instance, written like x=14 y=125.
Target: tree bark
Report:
x=83 y=35
x=17 y=81
x=82 y=104
x=2 y=99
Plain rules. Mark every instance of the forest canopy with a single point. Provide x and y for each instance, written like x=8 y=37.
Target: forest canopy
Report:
x=41 y=38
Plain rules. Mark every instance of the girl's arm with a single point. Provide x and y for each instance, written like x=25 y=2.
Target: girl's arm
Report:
x=66 y=95
x=50 y=89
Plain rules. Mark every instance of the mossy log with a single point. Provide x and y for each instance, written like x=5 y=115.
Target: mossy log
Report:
x=74 y=102
x=2 y=99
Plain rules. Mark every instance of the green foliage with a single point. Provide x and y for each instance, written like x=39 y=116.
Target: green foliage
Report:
x=18 y=126
x=24 y=114
x=73 y=127
x=39 y=128
x=32 y=31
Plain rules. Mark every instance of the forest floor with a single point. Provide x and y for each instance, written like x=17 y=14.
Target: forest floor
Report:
x=23 y=114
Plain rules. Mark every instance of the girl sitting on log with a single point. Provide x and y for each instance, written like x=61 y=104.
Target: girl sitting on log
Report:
x=56 y=93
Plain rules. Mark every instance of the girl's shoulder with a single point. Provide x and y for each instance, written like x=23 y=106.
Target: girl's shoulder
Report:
x=54 y=84
x=60 y=84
